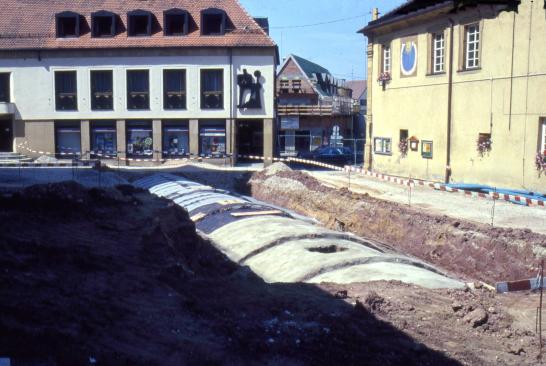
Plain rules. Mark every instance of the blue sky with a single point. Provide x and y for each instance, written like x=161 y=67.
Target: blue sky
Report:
x=335 y=46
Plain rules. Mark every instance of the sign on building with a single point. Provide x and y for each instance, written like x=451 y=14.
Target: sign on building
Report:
x=290 y=123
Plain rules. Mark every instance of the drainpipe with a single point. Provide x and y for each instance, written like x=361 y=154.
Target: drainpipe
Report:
x=449 y=102
x=231 y=122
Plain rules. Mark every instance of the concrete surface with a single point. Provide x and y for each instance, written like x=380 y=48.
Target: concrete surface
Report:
x=287 y=249
x=501 y=213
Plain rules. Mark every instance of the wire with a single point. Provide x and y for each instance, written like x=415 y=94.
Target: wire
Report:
x=316 y=24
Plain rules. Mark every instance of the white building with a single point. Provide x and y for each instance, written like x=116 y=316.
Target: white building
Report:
x=135 y=79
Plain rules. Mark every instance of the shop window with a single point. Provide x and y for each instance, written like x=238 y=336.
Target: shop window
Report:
x=103 y=24
x=140 y=139
x=213 y=140
x=174 y=89
x=176 y=141
x=66 y=96
x=175 y=22
x=102 y=90
x=383 y=146
x=213 y=22
x=68 y=25
x=103 y=139
x=140 y=23
x=472 y=46
x=67 y=139
x=138 y=89
x=212 y=89
x=5 y=87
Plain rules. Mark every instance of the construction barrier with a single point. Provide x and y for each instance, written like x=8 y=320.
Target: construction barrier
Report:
x=443 y=187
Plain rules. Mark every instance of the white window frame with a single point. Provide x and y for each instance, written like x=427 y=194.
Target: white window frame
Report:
x=438 y=53
x=472 y=46
x=543 y=137
x=387 y=59
x=384 y=143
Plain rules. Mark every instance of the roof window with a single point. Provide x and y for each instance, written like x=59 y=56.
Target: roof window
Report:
x=175 y=22
x=213 y=22
x=140 y=23
x=103 y=24
x=68 y=24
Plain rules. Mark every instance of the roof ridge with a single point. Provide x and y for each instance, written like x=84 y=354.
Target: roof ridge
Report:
x=254 y=21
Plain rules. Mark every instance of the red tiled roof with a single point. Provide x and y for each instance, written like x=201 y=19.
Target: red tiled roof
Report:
x=358 y=87
x=30 y=24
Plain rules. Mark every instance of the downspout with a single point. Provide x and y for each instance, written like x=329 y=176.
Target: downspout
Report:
x=231 y=122
x=449 y=103
x=512 y=71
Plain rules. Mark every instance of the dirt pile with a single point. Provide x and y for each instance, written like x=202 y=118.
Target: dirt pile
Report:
x=119 y=277
x=469 y=250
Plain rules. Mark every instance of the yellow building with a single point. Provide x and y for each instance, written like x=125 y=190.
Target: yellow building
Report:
x=457 y=92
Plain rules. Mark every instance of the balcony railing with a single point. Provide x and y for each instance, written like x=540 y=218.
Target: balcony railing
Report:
x=323 y=109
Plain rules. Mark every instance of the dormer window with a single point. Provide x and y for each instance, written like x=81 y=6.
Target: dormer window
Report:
x=140 y=23
x=175 y=22
x=103 y=24
x=68 y=25
x=213 y=22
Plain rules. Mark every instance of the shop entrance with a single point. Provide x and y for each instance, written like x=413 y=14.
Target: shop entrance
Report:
x=250 y=137
x=6 y=135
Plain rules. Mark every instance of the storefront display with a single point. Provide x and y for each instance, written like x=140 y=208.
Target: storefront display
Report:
x=67 y=141
x=213 y=141
x=175 y=141
x=103 y=141
x=140 y=141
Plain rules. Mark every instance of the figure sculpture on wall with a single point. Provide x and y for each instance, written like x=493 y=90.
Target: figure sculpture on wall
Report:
x=246 y=83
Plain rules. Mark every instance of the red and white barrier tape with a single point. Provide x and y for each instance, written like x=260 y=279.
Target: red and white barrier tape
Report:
x=443 y=187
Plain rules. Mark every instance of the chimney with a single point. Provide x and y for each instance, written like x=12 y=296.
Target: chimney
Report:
x=375 y=14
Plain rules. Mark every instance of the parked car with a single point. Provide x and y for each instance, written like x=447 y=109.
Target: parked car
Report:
x=331 y=155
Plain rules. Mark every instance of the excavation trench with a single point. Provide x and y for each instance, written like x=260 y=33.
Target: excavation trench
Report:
x=467 y=250
x=280 y=247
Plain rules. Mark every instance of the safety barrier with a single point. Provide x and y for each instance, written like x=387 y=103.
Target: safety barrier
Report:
x=445 y=188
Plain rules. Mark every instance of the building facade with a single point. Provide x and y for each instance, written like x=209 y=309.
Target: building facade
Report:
x=314 y=109
x=135 y=79
x=456 y=92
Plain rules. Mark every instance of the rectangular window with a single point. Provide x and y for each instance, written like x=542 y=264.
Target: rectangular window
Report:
x=140 y=143
x=138 y=89
x=66 y=96
x=67 y=139
x=174 y=89
x=176 y=141
x=212 y=89
x=438 y=53
x=140 y=23
x=68 y=25
x=213 y=22
x=543 y=139
x=103 y=139
x=102 y=90
x=213 y=139
x=387 y=59
x=5 y=87
x=103 y=24
x=472 y=46
x=383 y=146
x=175 y=22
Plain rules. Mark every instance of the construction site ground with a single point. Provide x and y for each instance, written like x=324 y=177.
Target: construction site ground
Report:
x=118 y=277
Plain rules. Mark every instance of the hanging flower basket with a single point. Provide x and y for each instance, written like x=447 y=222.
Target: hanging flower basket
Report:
x=403 y=147
x=484 y=145
x=384 y=77
x=540 y=162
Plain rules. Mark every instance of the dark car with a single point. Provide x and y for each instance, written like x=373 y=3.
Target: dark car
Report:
x=331 y=155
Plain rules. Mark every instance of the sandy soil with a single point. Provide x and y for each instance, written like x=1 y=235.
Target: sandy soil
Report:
x=121 y=278
x=466 y=249
x=500 y=213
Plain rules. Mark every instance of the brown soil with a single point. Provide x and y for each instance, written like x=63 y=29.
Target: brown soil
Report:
x=122 y=278
x=468 y=250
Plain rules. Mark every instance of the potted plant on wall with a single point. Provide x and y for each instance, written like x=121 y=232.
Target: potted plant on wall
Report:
x=484 y=144
x=540 y=162
x=403 y=147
